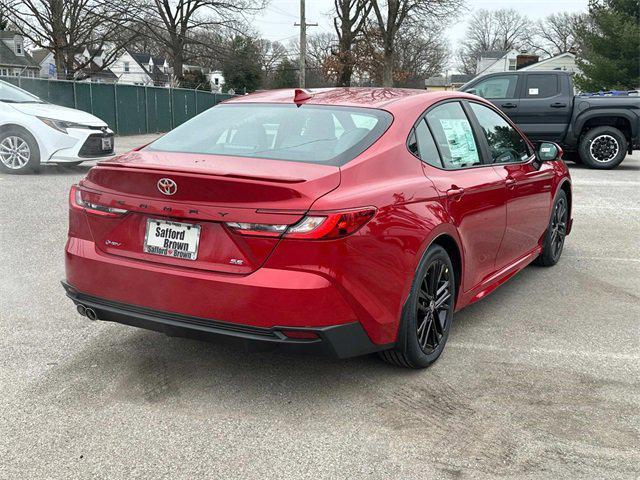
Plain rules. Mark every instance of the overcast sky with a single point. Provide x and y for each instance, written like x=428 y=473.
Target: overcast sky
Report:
x=276 y=22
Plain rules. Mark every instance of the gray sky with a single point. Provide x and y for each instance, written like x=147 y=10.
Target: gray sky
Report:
x=276 y=22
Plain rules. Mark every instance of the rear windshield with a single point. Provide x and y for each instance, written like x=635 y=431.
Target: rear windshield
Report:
x=308 y=133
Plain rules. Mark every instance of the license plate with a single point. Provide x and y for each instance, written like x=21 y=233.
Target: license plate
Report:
x=172 y=239
x=107 y=143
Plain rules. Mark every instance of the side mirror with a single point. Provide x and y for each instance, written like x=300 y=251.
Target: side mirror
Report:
x=549 y=152
x=472 y=91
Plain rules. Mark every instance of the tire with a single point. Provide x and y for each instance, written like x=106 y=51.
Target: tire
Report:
x=19 y=152
x=556 y=232
x=603 y=148
x=425 y=325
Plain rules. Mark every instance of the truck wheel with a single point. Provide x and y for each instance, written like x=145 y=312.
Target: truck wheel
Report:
x=603 y=148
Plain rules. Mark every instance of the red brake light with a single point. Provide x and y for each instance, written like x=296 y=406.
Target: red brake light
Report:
x=77 y=201
x=318 y=226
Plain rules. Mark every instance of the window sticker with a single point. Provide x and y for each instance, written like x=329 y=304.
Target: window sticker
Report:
x=462 y=145
x=534 y=91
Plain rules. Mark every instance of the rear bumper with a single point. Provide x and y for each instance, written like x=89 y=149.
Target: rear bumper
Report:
x=341 y=341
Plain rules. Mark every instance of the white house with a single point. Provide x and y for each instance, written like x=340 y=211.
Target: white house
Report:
x=13 y=58
x=217 y=80
x=565 y=62
x=141 y=69
x=92 y=71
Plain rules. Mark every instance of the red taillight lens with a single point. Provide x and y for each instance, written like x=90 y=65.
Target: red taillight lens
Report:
x=76 y=200
x=318 y=226
x=330 y=226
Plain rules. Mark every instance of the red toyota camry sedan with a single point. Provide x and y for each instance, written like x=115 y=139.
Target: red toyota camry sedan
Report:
x=344 y=221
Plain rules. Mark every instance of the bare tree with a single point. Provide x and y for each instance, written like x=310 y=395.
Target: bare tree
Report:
x=392 y=15
x=172 y=24
x=421 y=52
x=271 y=54
x=349 y=21
x=503 y=29
x=556 y=34
x=67 y=28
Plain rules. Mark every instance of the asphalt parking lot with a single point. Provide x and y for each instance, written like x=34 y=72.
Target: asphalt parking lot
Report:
x=539 y=380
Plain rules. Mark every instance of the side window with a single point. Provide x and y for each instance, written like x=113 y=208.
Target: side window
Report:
x=505 y=143
x=454 y=136
x=503 y=86
x=426 y=146
x=541 y=86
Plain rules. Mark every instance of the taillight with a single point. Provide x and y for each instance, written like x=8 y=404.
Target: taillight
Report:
x=76 y=200
x=318 y=226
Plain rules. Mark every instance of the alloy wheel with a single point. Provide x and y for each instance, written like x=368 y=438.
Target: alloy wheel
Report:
x=14 y=152
x=434 y=304
x=604 y=148
x=558 y=227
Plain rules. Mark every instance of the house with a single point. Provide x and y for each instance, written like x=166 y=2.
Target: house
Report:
x=14 y=60
x=217 y=80
x=90 y=72
x=565 y=62
x=141 y=69
x=494 y=61
x=445 y=83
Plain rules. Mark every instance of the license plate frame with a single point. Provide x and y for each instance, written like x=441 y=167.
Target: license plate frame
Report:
x=175 y=249
x=106 y=143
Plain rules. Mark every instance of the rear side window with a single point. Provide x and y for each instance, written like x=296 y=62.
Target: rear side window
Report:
x=505 y=143
x=541 y=86
x=454 y=136
x=503 y=86
x=427 y=146
x=308 y=133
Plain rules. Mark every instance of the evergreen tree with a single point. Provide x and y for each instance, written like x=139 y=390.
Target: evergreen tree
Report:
x=241 y=67
x=610 y=46
x=286 y=75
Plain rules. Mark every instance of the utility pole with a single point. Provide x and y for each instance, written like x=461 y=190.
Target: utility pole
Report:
x=303 y=41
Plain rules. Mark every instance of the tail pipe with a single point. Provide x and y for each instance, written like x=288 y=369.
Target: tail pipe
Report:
x=90 y=313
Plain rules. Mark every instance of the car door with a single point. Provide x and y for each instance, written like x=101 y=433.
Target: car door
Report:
x=501 y=90
x=527 y=181
x=474 y=195
x=545 y=107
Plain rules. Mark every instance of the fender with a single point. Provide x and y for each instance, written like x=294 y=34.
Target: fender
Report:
x=593 y=112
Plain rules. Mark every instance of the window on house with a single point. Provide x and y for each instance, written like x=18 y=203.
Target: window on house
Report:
x=216 y=81
x=512 y=64
x=18 y=48
x=126 y=66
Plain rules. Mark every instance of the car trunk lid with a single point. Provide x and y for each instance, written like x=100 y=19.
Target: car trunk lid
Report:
x=210 y=191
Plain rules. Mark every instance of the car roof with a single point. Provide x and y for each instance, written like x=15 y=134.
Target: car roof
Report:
x=370 y=97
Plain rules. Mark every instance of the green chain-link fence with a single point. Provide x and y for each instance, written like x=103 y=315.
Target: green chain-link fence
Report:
x=127 y=109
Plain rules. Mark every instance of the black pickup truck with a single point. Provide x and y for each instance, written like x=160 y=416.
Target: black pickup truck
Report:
x=596 y=130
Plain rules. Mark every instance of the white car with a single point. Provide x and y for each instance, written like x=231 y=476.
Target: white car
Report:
x=33 y=131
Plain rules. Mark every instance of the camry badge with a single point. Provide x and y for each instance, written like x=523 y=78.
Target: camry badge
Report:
x=167 y=186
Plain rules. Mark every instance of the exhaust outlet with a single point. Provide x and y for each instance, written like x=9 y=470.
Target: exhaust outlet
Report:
x=91 y=313
x=82 y=310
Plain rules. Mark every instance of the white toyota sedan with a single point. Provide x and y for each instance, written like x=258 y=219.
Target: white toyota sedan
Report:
x=33 y=131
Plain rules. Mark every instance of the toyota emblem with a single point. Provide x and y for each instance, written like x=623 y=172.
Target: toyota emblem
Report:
x=167 y=186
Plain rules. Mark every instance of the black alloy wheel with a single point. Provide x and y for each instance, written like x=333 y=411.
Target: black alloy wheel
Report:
x=428 y=313
x=433 y=306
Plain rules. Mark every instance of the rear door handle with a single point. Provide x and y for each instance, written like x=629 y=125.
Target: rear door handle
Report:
x=509 y=105
x=558 y=105
x=455 y=193
x=511 y=183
